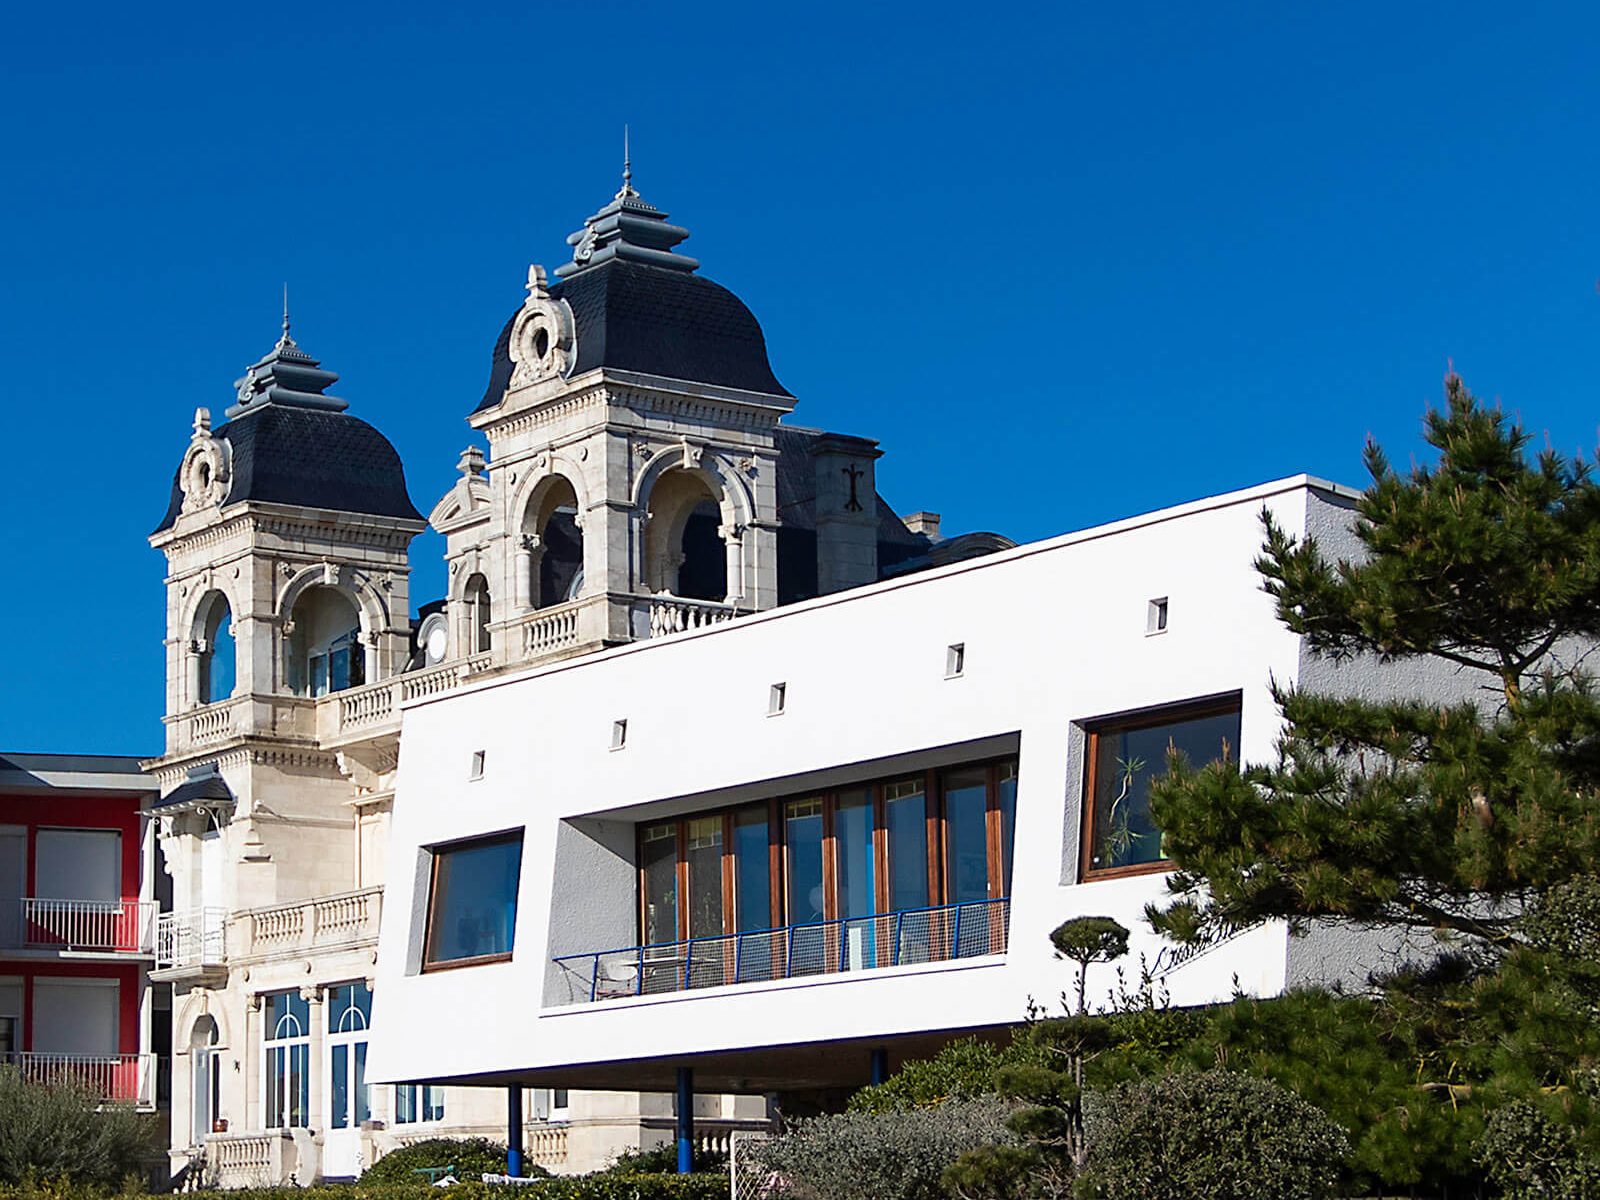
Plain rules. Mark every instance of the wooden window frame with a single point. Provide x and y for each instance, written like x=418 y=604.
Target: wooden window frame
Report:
x=1186 y=710
x=936 y=894
x=435 y=854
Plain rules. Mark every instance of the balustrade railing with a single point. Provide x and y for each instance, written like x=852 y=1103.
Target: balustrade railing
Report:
x=214 y=722
x=923 y=935
x=547 y=630
x=674 y=614
x=308 y=924
x=376 y=704
x=85 y=926
x=189 y=939
x=110 y=1078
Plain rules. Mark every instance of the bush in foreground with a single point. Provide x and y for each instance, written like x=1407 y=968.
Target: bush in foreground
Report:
x=580 y=1187
x=1215 y=1134
x=471 y=1158
x=1531 y=1157
x=60 y=1131
x=879 y=1155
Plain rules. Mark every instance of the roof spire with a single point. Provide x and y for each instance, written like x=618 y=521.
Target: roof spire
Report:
x=627 y=191
x=285 y=340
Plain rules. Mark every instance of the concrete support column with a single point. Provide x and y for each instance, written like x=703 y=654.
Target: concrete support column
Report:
x=684 y=1122
x=514 y=1132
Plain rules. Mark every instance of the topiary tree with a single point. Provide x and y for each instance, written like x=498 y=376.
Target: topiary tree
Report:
x=59 y=1130
x=1215 y=1134
x=1088 y=940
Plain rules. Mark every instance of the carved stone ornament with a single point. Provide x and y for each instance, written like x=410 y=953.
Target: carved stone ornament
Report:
x=541 y=337
x=207 y=466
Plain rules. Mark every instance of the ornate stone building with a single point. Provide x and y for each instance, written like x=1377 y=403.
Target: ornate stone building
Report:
x=640 y=480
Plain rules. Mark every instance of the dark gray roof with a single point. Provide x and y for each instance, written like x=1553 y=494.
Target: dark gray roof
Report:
x=204 y=788
x=57 y=772
x=313 y=458
x=632 y=316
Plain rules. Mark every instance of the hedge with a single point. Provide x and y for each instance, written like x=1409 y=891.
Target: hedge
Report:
x=576 y=1187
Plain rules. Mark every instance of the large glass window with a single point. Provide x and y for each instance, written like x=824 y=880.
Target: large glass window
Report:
x=1123 y=758
x=658 y=861
x=349 y=1013
x=287 y=1049
x=472 y=911
x=854 y=855
x=415 y=1102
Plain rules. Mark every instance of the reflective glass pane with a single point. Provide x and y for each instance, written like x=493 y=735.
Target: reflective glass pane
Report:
x=905 y=814
x=474 y=907
x=275 y=1085
x=405 y=1103
x=363 y=1099
x=852 y=831
x=658 y=852
x=1126 y=760
x=752 y=868
x=1008 y=822
x=433 y=1104
x=704 y=853
x=299 y=1086
x=966 y=842
x=339 y=1058
x=802 y=835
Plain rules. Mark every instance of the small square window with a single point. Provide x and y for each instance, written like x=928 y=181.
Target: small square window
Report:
x=776 y=698
x=955 y=660
x=1155 y=619
x=476 y=771
x=619 y=734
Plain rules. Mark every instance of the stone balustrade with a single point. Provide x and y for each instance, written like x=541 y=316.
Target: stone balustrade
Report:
x=675 y=614
x=374 y=708
x=303 y=925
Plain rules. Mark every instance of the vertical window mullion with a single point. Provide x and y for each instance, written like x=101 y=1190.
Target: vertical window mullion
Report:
x=777 y=891
x=830 y=858
x=935 y=838
x=730 y=894
x=1091 y=749
x=880 y=851
x=991 y=830
x=681 y=874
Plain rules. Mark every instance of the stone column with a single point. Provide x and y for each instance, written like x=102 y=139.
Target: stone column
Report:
x=315 y=1065
x=733 y=539
x=530 y=553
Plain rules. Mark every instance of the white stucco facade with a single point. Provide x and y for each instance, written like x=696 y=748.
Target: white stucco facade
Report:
x=1056 y=636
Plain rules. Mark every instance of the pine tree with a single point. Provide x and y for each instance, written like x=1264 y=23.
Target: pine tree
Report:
x=1406 y=813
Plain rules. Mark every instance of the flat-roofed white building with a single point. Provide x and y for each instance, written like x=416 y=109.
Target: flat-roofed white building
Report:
x=764 y=850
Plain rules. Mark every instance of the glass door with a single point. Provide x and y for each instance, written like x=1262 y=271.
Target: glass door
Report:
x=853 y=828
x=349 y=1101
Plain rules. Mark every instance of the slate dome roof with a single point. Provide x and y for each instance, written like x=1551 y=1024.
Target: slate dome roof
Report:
x=638 y=306
x=293 y=444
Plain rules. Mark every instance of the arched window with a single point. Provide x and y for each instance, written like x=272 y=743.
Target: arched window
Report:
x=475 y=596
x=325 y=650
x=216 y=650
x=684 y=551
x=349 y=1100
x=205 y=1080
x=551 y=529
x=286 y=1049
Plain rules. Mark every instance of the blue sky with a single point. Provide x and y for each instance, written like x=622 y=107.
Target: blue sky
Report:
x=1068 y=262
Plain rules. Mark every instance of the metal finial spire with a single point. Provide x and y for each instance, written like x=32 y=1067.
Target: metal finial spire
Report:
x=627 y=169
x=285 y=337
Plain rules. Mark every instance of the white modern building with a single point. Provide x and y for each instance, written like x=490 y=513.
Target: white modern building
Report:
x=764 y=850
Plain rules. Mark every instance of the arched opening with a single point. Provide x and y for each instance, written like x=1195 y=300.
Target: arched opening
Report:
x=205 y=1080
x=553 y=539
x=685 y=553
x=325 y=650
x=217 y=654
x=475 y=598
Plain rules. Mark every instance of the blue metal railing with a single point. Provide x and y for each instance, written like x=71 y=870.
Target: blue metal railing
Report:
x=919 y=935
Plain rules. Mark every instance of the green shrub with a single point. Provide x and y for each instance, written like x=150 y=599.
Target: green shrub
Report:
x=61 y=1131
x=1215 y=1134
x=963 y=1070
x=581 y=1187
x=662 y=1159
x=471 y=1158
x=879 y=1155
x=1531 y=1157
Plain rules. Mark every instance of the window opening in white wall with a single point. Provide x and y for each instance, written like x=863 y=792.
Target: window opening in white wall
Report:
x=414 y=1102
x=476 y=770
x=955 y=660
x=619 y=734
x=1155 y=620
x=472 y=905
x=776 y=699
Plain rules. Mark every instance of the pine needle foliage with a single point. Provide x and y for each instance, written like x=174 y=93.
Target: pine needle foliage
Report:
x=1404 y=813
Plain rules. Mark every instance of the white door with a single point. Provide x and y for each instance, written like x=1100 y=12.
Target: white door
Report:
x=13 y=874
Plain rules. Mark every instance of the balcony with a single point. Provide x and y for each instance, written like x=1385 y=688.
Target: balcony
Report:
x=82 y=928
x=372 y=710
x=189 y=947
x=898 y=939
x=323 y=923
x=666 y=615
x=110 y=1078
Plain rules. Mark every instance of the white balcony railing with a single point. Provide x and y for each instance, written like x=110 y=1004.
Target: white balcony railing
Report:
x=376 y=706
x=674 y=614
x=189 y=940
x=312 y=924
x=110 y=1078
x=83 y=926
